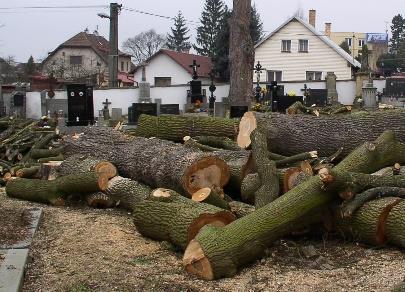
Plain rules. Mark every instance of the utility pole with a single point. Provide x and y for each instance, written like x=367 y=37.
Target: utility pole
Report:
x=113 y=56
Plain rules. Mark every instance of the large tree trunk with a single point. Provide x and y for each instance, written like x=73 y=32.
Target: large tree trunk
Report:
x=241 y=53
x=82 y=163
x=155 y=162
x=219 y=252
x=174 y=128
x=289 y=135
x=55 y=191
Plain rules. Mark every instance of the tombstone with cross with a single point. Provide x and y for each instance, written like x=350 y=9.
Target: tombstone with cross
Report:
x=106 y=110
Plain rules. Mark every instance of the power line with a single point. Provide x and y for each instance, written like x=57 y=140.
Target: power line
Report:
x=156 y=15
x=54 y=7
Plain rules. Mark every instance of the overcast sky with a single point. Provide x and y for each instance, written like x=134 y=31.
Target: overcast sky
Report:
x=25 y=32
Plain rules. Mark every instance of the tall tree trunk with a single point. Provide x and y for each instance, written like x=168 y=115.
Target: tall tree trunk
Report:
x=241 y=53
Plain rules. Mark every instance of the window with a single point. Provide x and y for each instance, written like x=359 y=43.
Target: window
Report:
x=122 y=66
x=303 y=46
x=349 y=41
x=361 y=43
x=314 y=75
x=163 y=81
x=286 y=46
x=127 y=66
x=75 y=60
x=274 y=76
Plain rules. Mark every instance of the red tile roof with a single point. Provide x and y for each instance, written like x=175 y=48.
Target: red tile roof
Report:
x=85 y=40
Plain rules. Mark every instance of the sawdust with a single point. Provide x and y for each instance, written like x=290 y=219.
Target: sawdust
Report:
x=14 y=225
x=81 y=249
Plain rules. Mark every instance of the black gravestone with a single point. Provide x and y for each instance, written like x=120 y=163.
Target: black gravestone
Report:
x=170 y=109
x=80 y=105
x=395 y=87
x=281 y=103
x=138 y=109
x=237 y=111
x=319 y=97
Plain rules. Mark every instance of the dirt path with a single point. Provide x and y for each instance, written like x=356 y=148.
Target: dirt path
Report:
x=81 y=249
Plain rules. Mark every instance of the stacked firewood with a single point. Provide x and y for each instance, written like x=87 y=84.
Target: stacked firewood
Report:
x=223 y=190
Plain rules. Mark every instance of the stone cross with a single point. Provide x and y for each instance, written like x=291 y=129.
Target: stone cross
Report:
x=106 y=103
x=194 y=66
x=106 y=112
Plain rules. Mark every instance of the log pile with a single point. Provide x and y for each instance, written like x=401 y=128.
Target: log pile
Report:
x=223 y=200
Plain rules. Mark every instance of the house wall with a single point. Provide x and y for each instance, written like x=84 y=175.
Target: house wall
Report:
x=320 y=56
x=164 y=66
x=127 y=64
x=59 y=63
x=124 y=97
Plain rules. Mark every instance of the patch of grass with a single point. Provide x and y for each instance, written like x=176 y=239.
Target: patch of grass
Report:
x=80 y=287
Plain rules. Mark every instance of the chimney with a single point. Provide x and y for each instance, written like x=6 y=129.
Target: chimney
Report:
x=328 y=27
x=312 y=17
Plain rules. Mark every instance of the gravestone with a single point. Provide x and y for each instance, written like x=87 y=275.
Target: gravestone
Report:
x=219 y=109
x=144 y=87
x=331 y=88
x=116 y=114
x=319 y=97
x=369 y=95
x=137 y=109
x=281 y=103
x=170 y=109
x=158 y=101
x=237 y=111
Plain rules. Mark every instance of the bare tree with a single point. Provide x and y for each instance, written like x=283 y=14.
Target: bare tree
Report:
x=241 y=53
x=144 y=45
x=8 y=70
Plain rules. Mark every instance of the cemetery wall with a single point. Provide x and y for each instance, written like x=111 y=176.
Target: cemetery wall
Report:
x=124 y=97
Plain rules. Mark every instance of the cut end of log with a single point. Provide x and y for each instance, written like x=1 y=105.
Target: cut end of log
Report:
x=313 y=154
x=102 y=181
x=290 y=175
x=209 y=172
x=306 y=167
x=161 y=193
x=196 y=263
x=201 y=195
x=325 y=176
x=186 y=138
x=247 y=125
x=106 y=167
x=7 y=176
x=99 y=201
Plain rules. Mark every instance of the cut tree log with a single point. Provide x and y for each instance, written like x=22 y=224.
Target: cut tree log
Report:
x=28 y=172
x=241 y=209
x=174 y=128
x=218 y=142
x=386 y=171
x=99 y=200
x=59 y=157
x=126 y=192
x=377 y=222
x=289 y=135
x=208 y=196
x=49 y=170
x=266 y=169
x=83 y=163
x=43 y=153
x=56 y=191
x=220 y=252
x=176 y=221
x=368 y=195
x=155 y=162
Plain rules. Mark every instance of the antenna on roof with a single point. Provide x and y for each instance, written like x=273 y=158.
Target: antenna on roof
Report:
x=86 y=30
x=96 y=31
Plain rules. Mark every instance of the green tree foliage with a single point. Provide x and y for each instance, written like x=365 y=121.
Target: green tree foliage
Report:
x=345 y=47
x=363 y=58
x=207 y=32
x=398 y=32
x=29 y=68
x=178 y=39
x=221 y=53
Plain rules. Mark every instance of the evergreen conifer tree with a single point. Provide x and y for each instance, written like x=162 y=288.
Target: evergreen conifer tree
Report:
x=207 y=32
x=178 y=38
x=398 y=32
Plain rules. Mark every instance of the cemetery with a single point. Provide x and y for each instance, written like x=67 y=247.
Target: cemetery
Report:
x=249 y=185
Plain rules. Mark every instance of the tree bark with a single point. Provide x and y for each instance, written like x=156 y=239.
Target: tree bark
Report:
x=177 y=221
x=289 y=135
x=83 y=163
x=43 y=153
x=218 y=142
x=208 y=196
x=219 y=252
x=99 y=200
x=155 y=162
x=174 y=128
x=28 y=172
x=241 y=53
x=55 y=191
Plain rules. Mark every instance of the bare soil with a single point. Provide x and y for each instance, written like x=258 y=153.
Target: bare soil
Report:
x=14 y=225
x=81 y=249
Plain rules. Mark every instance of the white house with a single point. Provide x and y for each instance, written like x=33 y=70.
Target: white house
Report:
x=167 y=68
x=295 y=51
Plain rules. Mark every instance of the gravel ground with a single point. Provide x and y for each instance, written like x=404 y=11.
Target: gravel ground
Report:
x=81 y=249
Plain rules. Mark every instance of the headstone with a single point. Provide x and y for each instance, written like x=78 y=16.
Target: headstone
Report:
x=369 y=95
x=158 y=101
x=116 y=114
x=137 y=109
x=144 y=91
x=331 y=88
x=319 y=97
x=219 y=109
x=281 y=103
x=237 y=111
x=171 y=109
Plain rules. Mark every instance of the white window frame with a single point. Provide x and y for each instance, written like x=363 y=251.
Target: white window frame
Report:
x=286 y=46
x=362 y=42
x=349 y=41
x=274 y=74
x=303 y=46
x=313 y=75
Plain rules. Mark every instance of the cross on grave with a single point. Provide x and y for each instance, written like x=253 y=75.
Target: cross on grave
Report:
x=194 y=66
x=258 y=70
x=106 y=111
x=212 y=88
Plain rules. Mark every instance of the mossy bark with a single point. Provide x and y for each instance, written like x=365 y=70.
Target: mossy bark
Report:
x=43 y=153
